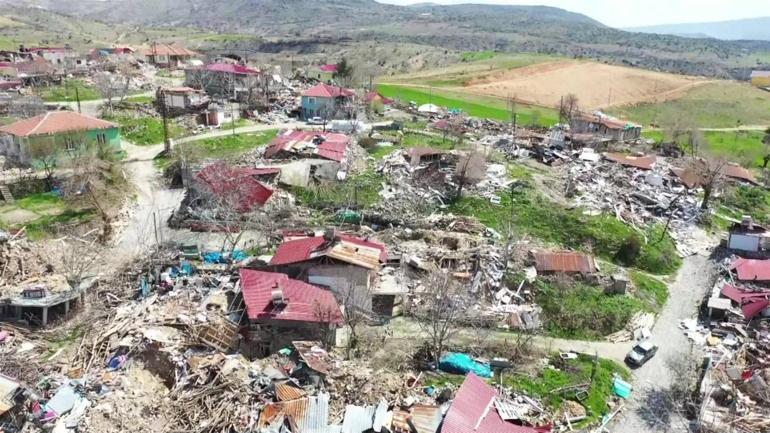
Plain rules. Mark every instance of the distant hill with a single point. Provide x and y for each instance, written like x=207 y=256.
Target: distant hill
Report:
x=745 y=29
x=307 y=26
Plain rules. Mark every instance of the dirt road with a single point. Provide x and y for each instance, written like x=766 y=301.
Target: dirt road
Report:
x=644 y=411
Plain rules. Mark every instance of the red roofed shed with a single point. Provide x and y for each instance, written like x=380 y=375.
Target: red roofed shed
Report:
x=236 y=184
x=751 y=269
x=564 y=261
x=473 y=411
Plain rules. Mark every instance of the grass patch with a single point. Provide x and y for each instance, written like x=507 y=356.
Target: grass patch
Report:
x=238 y=123
x=145 y=130
x=141 y=99
x=580 y=311
x=359 y=191
x=40 y=202
x=572 y=372
x=744 y=147
x=650 y=290
x=45 y=226
x=476 y=106
x=611 y=239
x=566 y=373
x=713 y=105
x=747 y=200
x=66 y=92
x=475 y=56
x=229 y=145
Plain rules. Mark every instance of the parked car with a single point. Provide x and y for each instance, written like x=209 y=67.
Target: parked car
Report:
x=316 y=121
x=641 y=353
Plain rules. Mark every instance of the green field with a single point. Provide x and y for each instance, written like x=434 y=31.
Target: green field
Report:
x=230 y=145
x=714 y=105
x=472 y=105
x=66 y=92
x=144 y=130
x=744 y=147
x=535 y=215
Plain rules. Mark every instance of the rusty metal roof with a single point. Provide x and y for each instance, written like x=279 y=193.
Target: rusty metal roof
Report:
x=286 y=391
x=309 y=414
x=564 y=261
x=313 y=355
x=643 y=162
x=425 y=419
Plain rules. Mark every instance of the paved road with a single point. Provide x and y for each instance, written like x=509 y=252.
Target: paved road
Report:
x=641 y=416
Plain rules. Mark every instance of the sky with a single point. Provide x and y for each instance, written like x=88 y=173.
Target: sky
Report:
x=634 y=13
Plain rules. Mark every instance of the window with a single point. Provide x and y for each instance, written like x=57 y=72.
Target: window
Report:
x=69 y=143
x=311 y=101
x=101 y=139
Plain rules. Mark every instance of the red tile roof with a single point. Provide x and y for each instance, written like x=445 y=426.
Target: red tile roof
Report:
x=752 y=270
x=55 y=122
x=303 y=249
x=333 y=146
x=643 y=162
x=236 y=183
x=231 y=68
x=564 y=261
x=473 y=411
x=327 y=91
x=372 y=96
x=304 y=302
x=261 y=171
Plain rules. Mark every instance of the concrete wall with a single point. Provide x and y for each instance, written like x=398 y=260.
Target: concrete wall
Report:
x=351 y=283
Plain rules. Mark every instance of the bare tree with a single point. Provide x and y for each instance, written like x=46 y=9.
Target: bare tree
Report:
x=469 y=169
x=711 y=175
x=355 y=302
x=87 y=177
x=46 y=151
x=109 y=87
x=77 y=256
x=442 y=307
x=568 y=108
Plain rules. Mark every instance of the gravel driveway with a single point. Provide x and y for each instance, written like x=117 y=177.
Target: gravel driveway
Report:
x=645 y=410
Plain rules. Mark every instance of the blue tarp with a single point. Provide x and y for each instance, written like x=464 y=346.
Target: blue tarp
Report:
x=462 y=363
x=218 y=257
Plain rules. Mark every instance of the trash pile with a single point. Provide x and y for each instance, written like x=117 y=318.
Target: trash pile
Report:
x=736 y=339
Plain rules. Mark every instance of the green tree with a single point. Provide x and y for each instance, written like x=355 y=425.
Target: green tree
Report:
x=344 y=71
x=766 y=142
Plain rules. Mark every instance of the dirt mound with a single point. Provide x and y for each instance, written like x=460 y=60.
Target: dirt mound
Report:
x=596 y=85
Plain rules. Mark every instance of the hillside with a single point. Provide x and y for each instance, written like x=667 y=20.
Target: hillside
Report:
x=308 y=26
x=745 y=29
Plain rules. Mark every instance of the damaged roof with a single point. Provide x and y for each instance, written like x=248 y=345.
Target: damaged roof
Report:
x=327 y=91
x=237 y=182
x=330 y=146
x=231 y=68
x=692 y=177
x=564 y=261
x=751 y=269
x=424 y=419
x=346 y=248
x=309 y=414
x=55 y=122
x=162 y=49
x=643 y=162
x=741 y=295
x=473 y=411
x=301 y=302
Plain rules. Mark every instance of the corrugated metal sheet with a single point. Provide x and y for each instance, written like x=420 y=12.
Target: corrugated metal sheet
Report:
x=564 y=261
x=473 y=411
x=740 y=295
x=309 y=414
x=425 y=419
x=286 y=391
x=350 y=249
x=643 y=162
x=737 y=172
x=358 y=419
x=753 y=308
x=752 y=270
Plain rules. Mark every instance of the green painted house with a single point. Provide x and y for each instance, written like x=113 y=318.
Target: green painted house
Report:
x=56 y=134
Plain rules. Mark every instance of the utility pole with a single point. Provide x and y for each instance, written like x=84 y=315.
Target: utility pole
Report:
x=164 y=114
x=77 y=97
